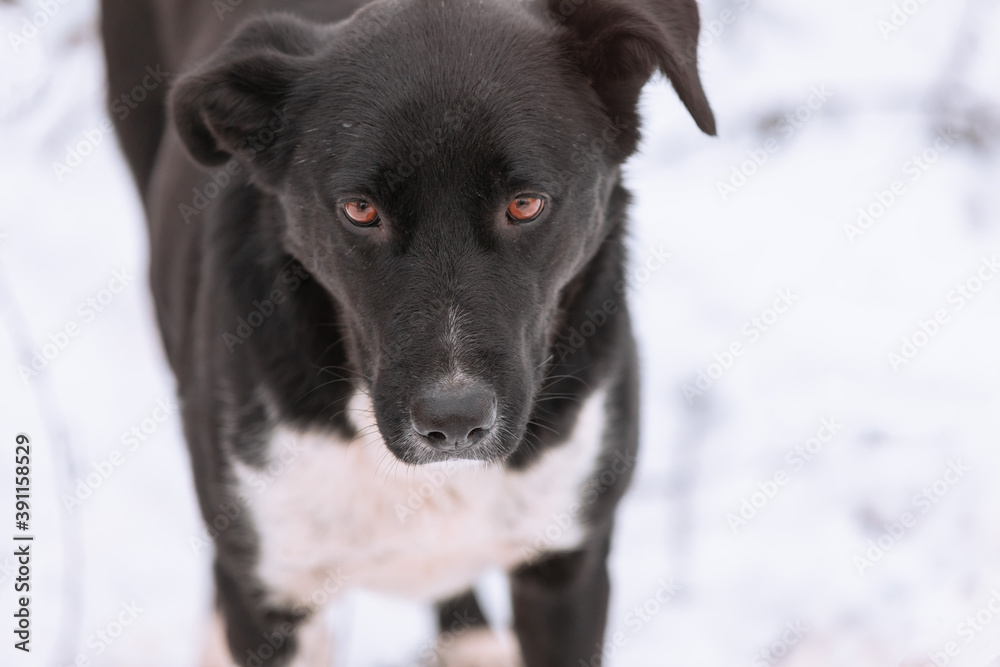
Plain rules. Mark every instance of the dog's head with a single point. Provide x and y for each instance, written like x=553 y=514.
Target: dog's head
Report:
x=445 y=170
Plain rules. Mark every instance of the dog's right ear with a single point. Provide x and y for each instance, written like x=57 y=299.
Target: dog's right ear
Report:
x=619 y=44
x=237 y=103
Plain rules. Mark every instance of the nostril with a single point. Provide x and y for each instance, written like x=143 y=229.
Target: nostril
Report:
x=453 y=416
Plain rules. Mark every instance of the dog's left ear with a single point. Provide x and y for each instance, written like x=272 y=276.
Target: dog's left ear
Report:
x=621 y=43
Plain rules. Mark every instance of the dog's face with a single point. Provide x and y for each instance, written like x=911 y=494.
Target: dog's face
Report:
x=444 y=169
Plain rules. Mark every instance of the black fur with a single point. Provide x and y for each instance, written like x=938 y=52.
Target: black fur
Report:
x=439 y=113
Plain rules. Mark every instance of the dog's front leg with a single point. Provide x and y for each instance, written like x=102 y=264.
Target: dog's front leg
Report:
x=560 y=606
x=466 y=639
x=249 y=633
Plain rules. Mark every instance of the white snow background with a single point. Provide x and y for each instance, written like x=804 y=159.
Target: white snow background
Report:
x=880 y=96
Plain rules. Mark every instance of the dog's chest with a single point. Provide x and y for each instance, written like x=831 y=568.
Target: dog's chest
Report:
x=326 y=509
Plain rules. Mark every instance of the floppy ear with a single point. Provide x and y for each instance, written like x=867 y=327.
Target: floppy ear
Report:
x=237 y=103
x=621 y=43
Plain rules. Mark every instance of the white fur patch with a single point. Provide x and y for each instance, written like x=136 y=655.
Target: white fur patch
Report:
x=350 y=513
x=481 y=647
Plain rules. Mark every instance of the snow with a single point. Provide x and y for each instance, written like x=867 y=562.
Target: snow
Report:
x=794 y=564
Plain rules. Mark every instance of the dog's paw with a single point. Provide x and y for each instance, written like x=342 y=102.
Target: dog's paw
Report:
x=481 y=647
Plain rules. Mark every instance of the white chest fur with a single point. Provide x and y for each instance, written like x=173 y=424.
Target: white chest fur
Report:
x=327 y=509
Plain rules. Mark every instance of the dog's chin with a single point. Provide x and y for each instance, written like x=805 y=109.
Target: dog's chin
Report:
x=412 y=451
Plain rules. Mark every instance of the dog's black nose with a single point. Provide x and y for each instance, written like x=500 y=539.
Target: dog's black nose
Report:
x=453 y=417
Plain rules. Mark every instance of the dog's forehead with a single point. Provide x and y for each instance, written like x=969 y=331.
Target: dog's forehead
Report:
x=418 y=17
x=410 y=57
x=423 y=89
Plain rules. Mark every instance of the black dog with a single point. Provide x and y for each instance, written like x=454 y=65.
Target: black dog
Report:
x=394 y=300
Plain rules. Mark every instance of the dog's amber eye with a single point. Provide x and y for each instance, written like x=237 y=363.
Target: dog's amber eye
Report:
x=361 y=213
x=525 y=208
